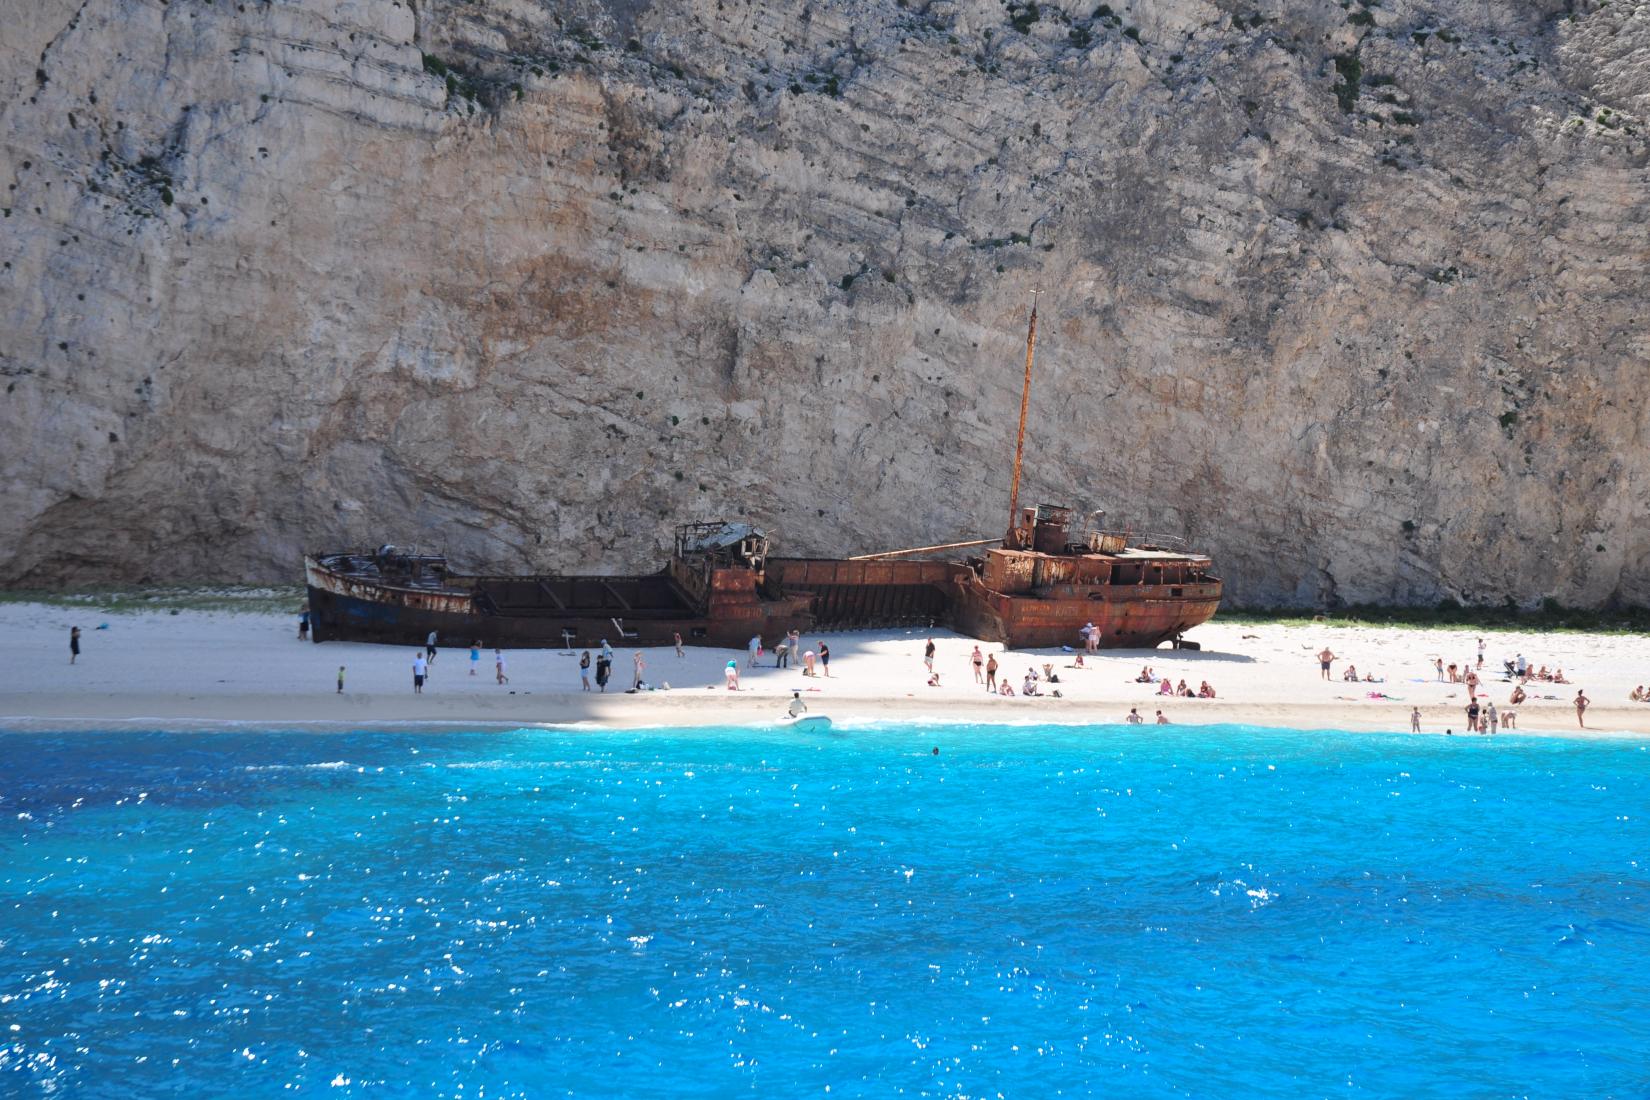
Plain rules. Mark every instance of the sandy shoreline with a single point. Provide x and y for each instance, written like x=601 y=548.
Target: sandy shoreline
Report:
x=198 y=669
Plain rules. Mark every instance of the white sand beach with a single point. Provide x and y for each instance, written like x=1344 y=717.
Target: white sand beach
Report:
x=206 y=669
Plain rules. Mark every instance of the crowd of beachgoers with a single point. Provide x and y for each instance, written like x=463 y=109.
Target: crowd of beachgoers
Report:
x=1354 y=676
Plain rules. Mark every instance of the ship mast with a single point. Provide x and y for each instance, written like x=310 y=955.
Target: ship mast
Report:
x=1025 y=402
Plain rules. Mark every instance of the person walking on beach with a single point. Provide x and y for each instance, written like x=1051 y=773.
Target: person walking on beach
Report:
x=1324 y=660
x=991 y=673
x=420 y=667
x=340 y=679
x=429 y=647
x=303 y=624
x=584 y=671
x=607 y=651
x=928 y=655
x=604 y=669
x=978 y=661
x=74 y=643
x=1582 y=703
x=1480 y=653
x=1440 y=663
x=678 y=637
x=640 y=665
x=1415 y=720
x=498 y=666
x=755 y=647
x=475 y=656
x=824 y=659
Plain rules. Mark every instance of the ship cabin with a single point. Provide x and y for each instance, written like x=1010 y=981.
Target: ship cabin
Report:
x=1041 y=558
x=717 y=564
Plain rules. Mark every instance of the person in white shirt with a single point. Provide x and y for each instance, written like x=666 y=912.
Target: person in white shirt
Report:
x=797 y=707
x=421 y=668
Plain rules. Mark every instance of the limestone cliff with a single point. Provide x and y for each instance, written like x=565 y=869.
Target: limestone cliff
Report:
x=1352 y=295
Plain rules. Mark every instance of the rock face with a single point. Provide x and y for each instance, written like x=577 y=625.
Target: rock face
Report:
x=1350 y=296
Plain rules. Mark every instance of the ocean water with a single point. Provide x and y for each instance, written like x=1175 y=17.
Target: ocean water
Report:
x=1031 y=912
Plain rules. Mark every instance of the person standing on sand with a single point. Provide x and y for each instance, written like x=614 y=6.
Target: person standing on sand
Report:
x=928 y=655
x=303 y=624
x=991 y=673
x=1472 y=715
x=1480 y=653
x=498 y=666
x=604 y=669
x=584 y=671
x=1325 y=658
x=1490 y=716
x=678 y=637
x=1440 y=670
x=640 y=665
x=74 y=643
x=1091 y=641
x=475 y=656
x=782 y=653
x=1415 y=720
x=1582 y=702
x=978 y=661
x=755 y=647
x=825 y=658
x=340 y=679
x=420 y=667
x=607 y=651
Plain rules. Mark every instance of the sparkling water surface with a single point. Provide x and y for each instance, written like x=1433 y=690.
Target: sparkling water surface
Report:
x=1034 y=911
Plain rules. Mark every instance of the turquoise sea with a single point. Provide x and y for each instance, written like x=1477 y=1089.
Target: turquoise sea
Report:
x=1031 y=912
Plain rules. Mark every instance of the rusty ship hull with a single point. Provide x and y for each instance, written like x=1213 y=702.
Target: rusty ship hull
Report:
x=1132 y=617
x=1037 y=590
x=1136 y=597
x=709 y=597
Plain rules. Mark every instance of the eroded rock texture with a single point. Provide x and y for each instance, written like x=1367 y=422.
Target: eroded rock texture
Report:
x=1352 y=296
